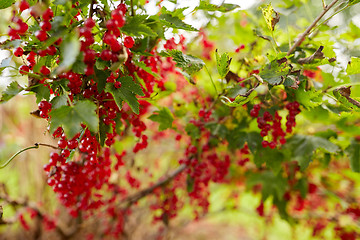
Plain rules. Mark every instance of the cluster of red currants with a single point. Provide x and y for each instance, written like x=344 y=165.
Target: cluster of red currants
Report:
x=272 y=124
x=45 y=108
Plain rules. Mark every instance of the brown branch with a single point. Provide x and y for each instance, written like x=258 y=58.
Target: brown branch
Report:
x=65 y=233
x=162 y=182
x=312 y=25
x=91 y=12
x=132 y=8
x=47 y=145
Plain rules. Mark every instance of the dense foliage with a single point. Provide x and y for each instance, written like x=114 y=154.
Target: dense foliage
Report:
x=258 y=101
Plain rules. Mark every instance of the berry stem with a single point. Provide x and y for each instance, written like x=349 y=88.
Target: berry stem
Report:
x=17 y=153
x=212 y=81
x=36 y=145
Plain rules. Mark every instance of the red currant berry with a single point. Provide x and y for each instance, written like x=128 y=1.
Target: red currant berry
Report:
x=122 y=7
x=89 y=23
x=116 y=47
x=254 y=112
x=44 y=70
x=263 y=133
x=72 y=144
x=111 y=24
x=129 y=42
x=117 y=84
x=23 y=5
x=265 y=144
x=51 y=50
x=85 y=32
x=48 y=14
x=22 y=28
x=45 y=26
x=24 y=69
x=18 y=52
x=257 y=107
x=106 y=55
x=51 y=182
x=109 y=38
x=282 y=140
x=272 y=145
x=89 y=70
x=62 y=143
x=41 y=35
x=65 y=153
x=267 y=116
x=43 y=114
x=42 y=53
x=47 y=167
x=89 y=56
x=58 y=42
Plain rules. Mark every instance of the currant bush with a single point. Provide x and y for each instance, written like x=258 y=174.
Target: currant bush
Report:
x=119 y=90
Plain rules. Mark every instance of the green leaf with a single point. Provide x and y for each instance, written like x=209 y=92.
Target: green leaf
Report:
x=71 y=117
x=100 y=78
x=78 y=67
x=217 y=129
x=101 y=64
x=353 y=66
x=6 y=3
x=147 y=69
x=103 y=130
x=302 y=185
x=240 y=100
x=272 y=185
x=187 y=63
x=353 y=152
x=164 y=117
x=225 y=7
x=302 y=148
x=275 y=72
x=353 y=2
x=271 y=17
x=127 y=83
x=60 y=2
x=190 y=183
x=69 y=50
x=11 y=91
x=236 y=139
x=42 y=92
x=193 y=131
x=175 y=22
x=223 y=64
x=272 y=157
x=310 y=98
x=126 y=92
x=253 y=140
x=135 y=26
x=58 y=101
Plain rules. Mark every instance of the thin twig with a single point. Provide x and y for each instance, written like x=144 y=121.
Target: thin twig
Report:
x=64 y=233
x=312 y=25
x=91 y=12
x=132 y=8
x=47 y=145
x=36 y=145
x=137 y=196
x=211 y=79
